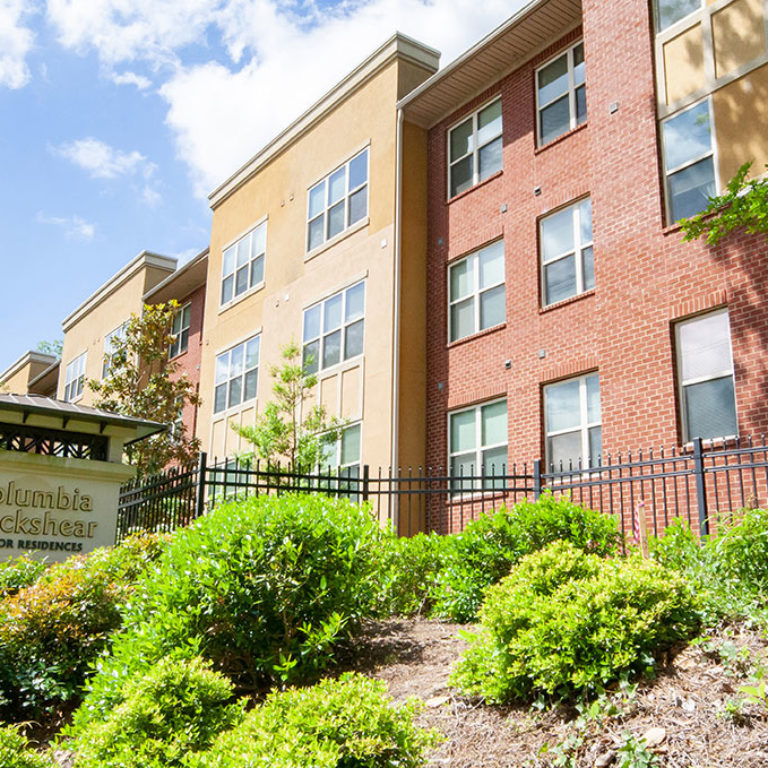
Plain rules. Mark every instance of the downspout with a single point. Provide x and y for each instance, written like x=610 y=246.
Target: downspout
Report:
x=396 y=318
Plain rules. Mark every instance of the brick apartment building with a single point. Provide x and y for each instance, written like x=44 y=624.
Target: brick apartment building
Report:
x=567 y=317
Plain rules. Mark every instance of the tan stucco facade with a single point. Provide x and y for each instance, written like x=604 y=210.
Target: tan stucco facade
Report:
x=107 y=309
x=17 y=378
x=359 y=114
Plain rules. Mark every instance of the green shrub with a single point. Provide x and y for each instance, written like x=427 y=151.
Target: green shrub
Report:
x=173 y=711
x=15 y=751
x=263 y=589
x=53 y=629
x=488 y=548
x=565 y=621
x=334 y=724
x=740 y=550
x=19 y=572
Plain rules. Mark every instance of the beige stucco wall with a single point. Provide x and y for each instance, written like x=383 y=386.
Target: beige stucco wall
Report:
x=87 y=332
x=360 y=388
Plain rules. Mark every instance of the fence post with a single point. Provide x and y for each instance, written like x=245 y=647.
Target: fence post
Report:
x=536 y=479
x=366 y=479
x=701 y=487
x=200 y=494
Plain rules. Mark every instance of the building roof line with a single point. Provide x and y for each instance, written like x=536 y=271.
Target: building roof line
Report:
x=32 y=356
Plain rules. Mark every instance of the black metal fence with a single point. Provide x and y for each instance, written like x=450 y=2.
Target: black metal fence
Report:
x=697 y=483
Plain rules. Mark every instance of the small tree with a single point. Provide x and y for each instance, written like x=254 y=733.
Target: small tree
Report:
x=142 y=381
x=52 y=347
x=280 y=433
x=743 y=205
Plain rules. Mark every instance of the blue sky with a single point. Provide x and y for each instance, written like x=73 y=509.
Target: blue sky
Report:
x=118 y=117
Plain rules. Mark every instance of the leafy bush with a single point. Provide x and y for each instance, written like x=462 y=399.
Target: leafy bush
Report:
x=19 y=572
x=173 y=711
x=334 y=724
x=15 y=751
x=565 y=621
x=262 y=588
x=488 y=548
x=740 y=550
x=51 y=630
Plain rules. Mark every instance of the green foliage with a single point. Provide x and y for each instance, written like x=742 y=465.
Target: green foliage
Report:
x=743 y=205
x=164 y=716
x=51 y=630
x=740 y=550
x=52 y=347
x=279 y=433
x=143 y=382
x=15 y=751
x=565 y=622
x=335 y=724
x=634 y=753
x=488 y=548
x=17 y=573
x=263 y=588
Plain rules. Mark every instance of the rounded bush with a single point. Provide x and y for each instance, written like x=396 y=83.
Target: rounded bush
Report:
x=15 y=751
x=19 y=572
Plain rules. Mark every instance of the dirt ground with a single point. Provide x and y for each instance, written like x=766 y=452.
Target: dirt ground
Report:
x=688 y=716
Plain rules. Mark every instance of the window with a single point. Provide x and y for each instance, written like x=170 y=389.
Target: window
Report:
x=474 y=148
x=180 y=330
x=75 y=381
x=109 y=348
x=688 y=161
x=237 y=372
x=670 y=11
x=338 y=201
x=242 y=266
x=478 y=446
x=567 y=266
x=561 y=95
x=476 y=293
x=705 y=371
x=333 y=329
x=573 y=422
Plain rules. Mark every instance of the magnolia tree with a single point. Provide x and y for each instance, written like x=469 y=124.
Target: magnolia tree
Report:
x=142 y=380
x=282 y=432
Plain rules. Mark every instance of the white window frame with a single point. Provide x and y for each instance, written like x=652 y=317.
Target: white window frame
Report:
x=230 y=378
x=475 y=150
x=572 y=88
x=461 y=486
x=180 y=344
x=75 y=378
x=584 y=423
x=577 y=252
x=720 y=374
x=344 y=199
x=711 y=153
x=234 y=246
x=109 y=354
x=476 y=293
x=342 y=329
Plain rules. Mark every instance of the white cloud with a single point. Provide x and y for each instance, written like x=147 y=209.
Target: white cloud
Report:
x=131 y=78
x=16 y=41
x=74 y=227
x=101 y=160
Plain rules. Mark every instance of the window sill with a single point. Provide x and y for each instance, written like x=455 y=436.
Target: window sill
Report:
x=562 y=137
x=471 y=189
x=477 y=335
x=711 y=444
x=565 y=302
x=225 y=414
x=233 y=302
x=471 y=497
x=180 y=354
x=356 y=227
x=340 y=367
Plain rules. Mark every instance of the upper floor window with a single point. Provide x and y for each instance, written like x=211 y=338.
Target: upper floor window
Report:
x=338 y=201
x=705 y=372
x=561 y=96
x=476 y=291
x=75 y=381
x=573 y=422
x=242 y=266
x=237 y=375
x=475 y=148
x=333 y=329
x=180 y=330
x=689 y=162
x=110 y=341
x=567 y=264
x=670 y=11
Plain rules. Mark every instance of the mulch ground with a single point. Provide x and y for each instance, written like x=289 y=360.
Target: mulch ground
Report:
x=687 y=714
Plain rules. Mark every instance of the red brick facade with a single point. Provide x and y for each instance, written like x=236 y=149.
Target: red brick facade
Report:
x=646 y=278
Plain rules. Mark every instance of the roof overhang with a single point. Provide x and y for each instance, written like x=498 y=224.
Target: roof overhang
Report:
x=182 y=282
x=532 y=29
x=27 y=359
